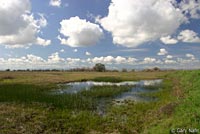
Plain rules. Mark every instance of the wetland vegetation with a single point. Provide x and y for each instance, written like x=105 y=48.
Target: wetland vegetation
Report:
x=27 y=104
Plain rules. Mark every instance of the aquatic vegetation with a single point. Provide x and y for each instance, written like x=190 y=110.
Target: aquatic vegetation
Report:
x=108 y=79
x=32 y=108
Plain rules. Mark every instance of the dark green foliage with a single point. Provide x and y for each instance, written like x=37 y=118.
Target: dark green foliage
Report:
x=124 y=70
x=107 y=79
x=99 y=67
x=23 y=93
x=105 y=91
x=85 y=100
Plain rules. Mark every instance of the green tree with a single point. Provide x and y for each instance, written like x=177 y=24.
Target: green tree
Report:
x=99 y=67
x=7 y=70
x=124 y=70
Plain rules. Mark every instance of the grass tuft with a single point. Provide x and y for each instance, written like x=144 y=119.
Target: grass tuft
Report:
x=107 y=79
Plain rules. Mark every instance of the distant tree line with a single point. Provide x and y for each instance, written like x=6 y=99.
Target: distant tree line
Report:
x=155 y=69
x=99 y=67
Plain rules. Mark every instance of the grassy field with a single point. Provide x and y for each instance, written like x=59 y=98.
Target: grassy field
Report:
x=26 y=106
x=63 y=77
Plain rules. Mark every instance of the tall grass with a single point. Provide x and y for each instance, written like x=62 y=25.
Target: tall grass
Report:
x=185 y=105
x=85 y=100
x=105 y=91
x=108 y=79
x=22 y=93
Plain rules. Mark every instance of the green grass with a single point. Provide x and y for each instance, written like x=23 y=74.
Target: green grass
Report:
x=27 y=108
x=85 y=100
x=105 y=91
x=26 y=93
x=154 y=87
x=186 y=92
x=107 y=79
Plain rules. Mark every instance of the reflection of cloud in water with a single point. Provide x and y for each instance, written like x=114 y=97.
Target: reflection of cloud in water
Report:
x=150 y=82
x=75 y=87
x=133 y=95
x=92 y=83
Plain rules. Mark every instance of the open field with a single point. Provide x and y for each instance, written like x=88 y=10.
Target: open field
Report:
x=62 y=77
x=26 y=108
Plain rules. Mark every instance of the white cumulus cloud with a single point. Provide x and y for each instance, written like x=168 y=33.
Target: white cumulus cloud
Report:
x=55 y=58
x=43 y=42
x=113 y=60
x=149 y=60
x=191 y=56
x=162 y=52
x=168 y=61
x=168 y=40
x=54 y=61
x=34 y=59
x=87 y=53
x=75 y=50
x=79 y=32
x=55 y=3
x=62 y=50
x=133 y=22
x=18 y=27
x=191 y=8
x=169 y=56
x=188 y=36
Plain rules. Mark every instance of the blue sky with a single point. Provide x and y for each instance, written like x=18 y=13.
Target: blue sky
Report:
x=121 y=34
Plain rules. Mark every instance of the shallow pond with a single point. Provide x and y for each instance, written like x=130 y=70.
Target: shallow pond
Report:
x=106 y=93
x=136 y=88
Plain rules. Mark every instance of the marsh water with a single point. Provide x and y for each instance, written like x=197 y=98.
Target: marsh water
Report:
x=134 y=94
x=136 y=88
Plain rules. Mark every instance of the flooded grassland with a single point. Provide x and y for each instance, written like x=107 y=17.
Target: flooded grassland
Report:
x=93 y=103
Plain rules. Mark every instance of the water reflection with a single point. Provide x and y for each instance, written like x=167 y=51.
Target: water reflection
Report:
x=137 y=87
x=135 y=94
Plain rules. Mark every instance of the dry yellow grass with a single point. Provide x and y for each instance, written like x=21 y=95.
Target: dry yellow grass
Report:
x=62 y=77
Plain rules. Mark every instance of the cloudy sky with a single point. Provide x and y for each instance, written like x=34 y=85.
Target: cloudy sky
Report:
x=129 y=34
